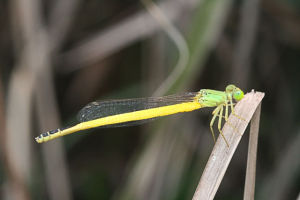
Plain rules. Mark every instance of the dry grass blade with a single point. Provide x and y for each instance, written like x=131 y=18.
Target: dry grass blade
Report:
x=252 y=154
x=221 y=154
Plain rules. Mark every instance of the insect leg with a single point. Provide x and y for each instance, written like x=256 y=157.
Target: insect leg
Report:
x=226 y=117
x=226 y=111
x=220 y=124
x=233 y=112
x=215 y=114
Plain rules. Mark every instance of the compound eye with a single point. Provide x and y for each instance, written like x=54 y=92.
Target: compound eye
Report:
x=238 y=95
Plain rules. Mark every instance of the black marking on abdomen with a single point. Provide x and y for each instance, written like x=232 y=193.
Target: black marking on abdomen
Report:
x=45 y=134
x=53 y=131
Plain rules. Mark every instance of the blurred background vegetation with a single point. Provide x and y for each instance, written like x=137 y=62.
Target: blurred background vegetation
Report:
x=57 y=56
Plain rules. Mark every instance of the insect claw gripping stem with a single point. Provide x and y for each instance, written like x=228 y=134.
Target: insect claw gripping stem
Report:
x=233 y=112
x=239 y=117
x=233 y=127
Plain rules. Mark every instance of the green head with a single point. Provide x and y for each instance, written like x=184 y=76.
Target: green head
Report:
x=236 y=92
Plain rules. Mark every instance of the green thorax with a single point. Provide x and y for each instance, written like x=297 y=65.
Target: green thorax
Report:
x=211 y=98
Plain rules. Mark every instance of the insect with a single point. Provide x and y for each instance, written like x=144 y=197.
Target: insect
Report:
x=127 y=112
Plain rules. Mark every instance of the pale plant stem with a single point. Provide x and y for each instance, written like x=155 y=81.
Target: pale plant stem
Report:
x=176 y=36
x=252 y=156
